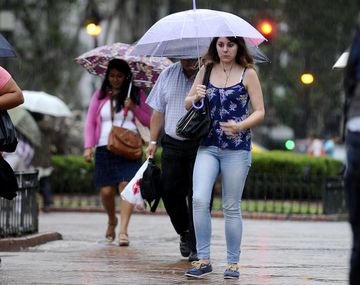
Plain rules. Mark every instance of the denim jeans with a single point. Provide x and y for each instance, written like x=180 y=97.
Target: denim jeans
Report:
x=233 y=166
x=352 y=185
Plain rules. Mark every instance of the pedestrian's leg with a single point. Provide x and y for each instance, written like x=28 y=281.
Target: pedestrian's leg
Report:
x=108 y=200
x=206 y=170
x=126 y=210
x=234 y=169
x=352 y=185
x=192 y=237
x=46 y=190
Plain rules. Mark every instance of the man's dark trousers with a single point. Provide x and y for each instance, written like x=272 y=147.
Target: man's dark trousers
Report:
x=177 y=164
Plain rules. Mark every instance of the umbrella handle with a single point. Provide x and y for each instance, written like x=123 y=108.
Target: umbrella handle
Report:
x=201 y=104
x=128 y=96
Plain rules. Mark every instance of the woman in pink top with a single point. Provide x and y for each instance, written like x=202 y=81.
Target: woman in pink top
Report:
x=113 y=172
x=10 y=97
x=10 y=93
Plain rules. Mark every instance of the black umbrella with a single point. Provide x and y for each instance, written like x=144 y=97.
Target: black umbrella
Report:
x=6 y=50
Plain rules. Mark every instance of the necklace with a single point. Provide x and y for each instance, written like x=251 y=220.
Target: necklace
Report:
x=227 y=74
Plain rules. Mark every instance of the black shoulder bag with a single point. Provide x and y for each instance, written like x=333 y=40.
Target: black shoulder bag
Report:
x=195 y=124
x=8 y=140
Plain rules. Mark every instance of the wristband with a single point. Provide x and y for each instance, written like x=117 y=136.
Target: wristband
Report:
x=153 y=142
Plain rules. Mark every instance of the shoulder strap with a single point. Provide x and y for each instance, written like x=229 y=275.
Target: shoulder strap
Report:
x=207 y=75
x=243 y=75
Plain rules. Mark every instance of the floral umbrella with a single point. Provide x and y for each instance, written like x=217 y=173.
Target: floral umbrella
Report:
x=145 y=70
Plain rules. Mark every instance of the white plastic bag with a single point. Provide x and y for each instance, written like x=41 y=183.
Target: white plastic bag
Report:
x=131 y=192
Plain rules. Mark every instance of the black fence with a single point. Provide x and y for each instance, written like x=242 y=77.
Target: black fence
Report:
x=263 y=193
x=291 y=194
x=20 y=215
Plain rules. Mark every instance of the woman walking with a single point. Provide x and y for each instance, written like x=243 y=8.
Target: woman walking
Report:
x=109 y=106
x=226 y=151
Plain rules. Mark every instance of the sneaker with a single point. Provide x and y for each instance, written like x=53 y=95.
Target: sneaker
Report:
x=199 y=269
x=184 y=244
x=193 y=256
x=232 y=271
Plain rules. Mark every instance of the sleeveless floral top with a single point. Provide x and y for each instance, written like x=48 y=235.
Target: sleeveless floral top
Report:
x=229 y=103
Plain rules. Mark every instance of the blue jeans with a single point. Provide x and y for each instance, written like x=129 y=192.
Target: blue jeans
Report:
x=352 y=185
x=233 y=166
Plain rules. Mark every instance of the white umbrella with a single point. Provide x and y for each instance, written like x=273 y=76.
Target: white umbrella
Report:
x=25 y=124
x=342 y=61
x=44 y=103
x=188 y=33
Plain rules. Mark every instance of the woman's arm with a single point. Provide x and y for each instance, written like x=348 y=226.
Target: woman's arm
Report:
x=253 y=87
x=197 y=90
x=90 y=122
x=10 y=95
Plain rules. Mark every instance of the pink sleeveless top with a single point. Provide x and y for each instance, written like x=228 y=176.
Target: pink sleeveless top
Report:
x=4 y=77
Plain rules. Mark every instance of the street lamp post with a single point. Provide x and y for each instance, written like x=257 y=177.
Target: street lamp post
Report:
x=307 y=79
x=92 y=22
x=93 y=29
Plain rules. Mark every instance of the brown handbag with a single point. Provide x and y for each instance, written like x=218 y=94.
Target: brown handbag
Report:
x=124 y=142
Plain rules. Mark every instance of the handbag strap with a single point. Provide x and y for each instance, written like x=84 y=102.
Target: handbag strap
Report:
x=207 y=74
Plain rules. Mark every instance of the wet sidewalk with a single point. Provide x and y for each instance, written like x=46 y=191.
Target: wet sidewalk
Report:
x=273 y=252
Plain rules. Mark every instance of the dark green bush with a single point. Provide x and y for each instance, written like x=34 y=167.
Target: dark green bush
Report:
x=286 y=175
x=283 y=162
x=73 y=175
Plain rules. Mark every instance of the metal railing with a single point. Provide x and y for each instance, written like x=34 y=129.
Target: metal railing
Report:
x=263 y=193
x=20 y=215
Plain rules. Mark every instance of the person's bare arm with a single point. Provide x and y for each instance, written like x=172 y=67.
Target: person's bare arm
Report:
x=197 y=90
x=10 y=95
x=156 y=124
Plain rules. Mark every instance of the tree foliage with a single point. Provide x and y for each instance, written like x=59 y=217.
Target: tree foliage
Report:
x=310 y=36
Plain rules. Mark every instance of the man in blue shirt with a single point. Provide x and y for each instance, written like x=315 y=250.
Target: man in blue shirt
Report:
x=178 y=154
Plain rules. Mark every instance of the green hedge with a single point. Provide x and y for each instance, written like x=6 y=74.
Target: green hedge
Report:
x=283 y=162
x=73 y=175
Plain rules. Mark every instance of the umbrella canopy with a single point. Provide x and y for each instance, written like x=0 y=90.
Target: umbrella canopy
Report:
x=342 y=61
x=44 y=103
x=6 y=50
x=145 y=70
x=188 y=33
x=26 y=125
